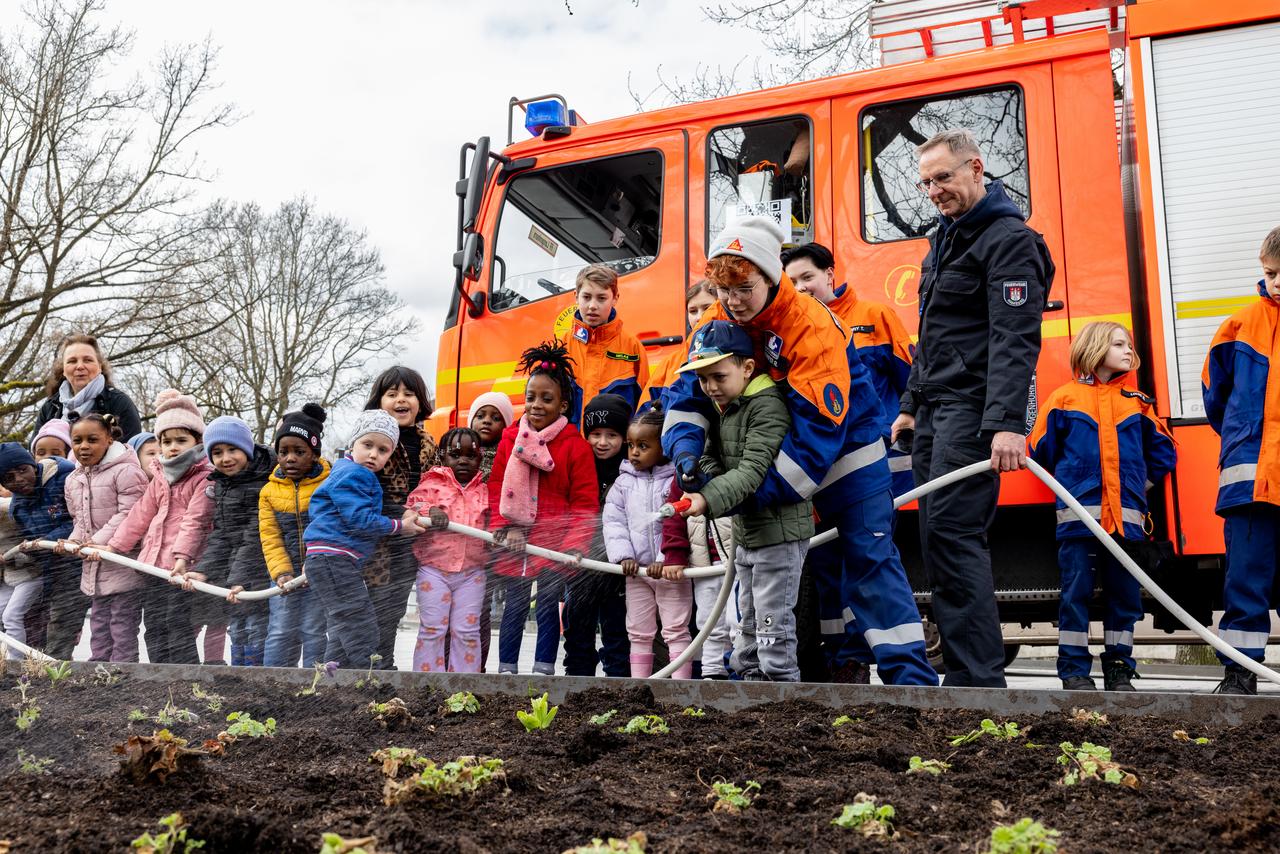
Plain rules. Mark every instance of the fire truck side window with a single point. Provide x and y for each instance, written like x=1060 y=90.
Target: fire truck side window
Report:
x=893 y=208
x=556 y=221
x=764 y=169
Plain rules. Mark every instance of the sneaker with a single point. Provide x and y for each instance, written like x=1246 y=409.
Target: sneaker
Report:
x=852 y=673
x=1078 y=683
x=1116 y=676
x=1237 y=680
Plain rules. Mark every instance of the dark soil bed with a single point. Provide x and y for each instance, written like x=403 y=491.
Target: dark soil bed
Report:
x=579 y=780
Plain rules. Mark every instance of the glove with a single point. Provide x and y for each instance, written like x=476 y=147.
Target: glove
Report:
x=692 y=478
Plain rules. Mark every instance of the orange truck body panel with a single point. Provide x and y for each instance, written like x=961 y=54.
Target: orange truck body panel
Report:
x=1075 y=183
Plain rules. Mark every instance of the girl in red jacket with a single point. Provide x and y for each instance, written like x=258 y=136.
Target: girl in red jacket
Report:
x=542 y=490
x=451 y=578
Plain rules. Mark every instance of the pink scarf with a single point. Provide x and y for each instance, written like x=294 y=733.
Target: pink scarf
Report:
x=532 y=454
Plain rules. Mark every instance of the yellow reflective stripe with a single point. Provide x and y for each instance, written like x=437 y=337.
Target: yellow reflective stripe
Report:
x=1216 y=307
x=1063 y=327
x=477 y=373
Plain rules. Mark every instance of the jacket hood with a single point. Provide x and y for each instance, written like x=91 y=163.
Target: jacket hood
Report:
x=259 y=469
x=991 y=207
x=277 y=475
x=1262 y=292
x=658 y=472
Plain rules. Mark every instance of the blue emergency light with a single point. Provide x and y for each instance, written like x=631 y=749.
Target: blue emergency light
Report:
x=541 y=115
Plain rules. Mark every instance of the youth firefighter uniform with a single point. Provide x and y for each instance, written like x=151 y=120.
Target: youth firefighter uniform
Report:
x=606 y=360
x=1242 y=403
x=1103 y=442
x=833 y=454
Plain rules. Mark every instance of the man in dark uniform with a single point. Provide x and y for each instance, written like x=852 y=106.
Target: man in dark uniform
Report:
x=983 y=289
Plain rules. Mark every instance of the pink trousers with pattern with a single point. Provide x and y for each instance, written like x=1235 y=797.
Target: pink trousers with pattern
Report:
x=449 y=605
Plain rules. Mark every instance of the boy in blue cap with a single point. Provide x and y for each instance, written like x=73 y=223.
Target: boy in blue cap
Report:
x=770 y=542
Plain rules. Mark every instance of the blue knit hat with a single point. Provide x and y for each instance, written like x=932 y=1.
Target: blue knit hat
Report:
x=228 y=430
x=139 y=440
x=12 y=455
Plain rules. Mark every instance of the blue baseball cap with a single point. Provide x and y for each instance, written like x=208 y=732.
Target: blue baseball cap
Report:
x=715 y=341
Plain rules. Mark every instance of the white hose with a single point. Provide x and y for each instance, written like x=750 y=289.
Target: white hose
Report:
x=164 y=574
x=30 y=652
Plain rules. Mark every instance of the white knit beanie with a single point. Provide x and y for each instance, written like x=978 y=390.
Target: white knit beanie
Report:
x=756 y=238
x=376 y=421
x=498 y=401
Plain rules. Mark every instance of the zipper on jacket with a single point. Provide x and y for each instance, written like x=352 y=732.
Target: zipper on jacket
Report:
x=297 y=518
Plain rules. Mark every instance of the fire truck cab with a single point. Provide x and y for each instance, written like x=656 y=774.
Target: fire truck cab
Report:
x=1136 y=137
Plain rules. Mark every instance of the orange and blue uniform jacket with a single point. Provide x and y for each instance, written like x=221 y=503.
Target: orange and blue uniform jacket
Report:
x=663 y=375
x=1104 y=443
x=1242 y=403
x=606 y=360
x=835 y=428
x=883 y=345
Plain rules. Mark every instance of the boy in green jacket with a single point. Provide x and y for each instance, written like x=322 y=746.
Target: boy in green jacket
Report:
x=770 y=541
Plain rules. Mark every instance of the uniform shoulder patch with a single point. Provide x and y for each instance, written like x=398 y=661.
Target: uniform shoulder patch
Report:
x=1015 y=293
x=834 y=400
x=1142 y=396
x=582 y=333
x=621 y=357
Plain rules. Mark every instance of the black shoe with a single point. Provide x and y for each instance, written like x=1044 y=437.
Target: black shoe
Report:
x=852 y=673
x=1116 y=676
x=1237 y=680
x=1078 y=683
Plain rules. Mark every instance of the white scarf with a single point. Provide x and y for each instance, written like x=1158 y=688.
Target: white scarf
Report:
x=81 y=403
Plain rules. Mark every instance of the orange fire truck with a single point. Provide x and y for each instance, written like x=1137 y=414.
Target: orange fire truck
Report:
x=1160 y=232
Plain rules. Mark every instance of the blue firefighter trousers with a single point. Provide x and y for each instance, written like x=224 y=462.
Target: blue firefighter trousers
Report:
x=1252 y=532
x=1085 y=563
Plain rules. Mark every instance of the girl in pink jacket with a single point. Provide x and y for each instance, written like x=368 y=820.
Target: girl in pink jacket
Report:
x=172 y=520
x=106 y=483
x=451 y=576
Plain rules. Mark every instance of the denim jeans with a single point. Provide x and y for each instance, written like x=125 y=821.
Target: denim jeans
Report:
x=248 y=630
x=352 y=623
x=296 y=625
x=519 y=590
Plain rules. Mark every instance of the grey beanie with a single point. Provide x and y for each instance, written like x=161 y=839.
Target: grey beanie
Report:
x=376 y=421
x=756 y=238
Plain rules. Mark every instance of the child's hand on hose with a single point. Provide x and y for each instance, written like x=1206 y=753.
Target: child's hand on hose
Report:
x=232 y=593
x=697 y=505
x=629 y=567
x=282 y=580
x=96 y=552
x=190 y=577
x=66 y=547
x=512 y=539
x=672 y=572
x=28 y=546
x=654 y=570
x=439 y=518
x=179 y=567
x=409 y=524
x=576 y=559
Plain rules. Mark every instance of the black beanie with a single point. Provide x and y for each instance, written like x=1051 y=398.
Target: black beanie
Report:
x=307 y=425
x=610 y=411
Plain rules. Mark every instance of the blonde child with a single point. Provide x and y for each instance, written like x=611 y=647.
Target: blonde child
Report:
x=451 y=573
x=633 y=538
x=1101 y=438
x=606 y=359
x=1242 y=406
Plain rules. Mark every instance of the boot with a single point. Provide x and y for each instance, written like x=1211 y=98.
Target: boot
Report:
x=1237 y=680
x=852 y=672
x=1078 y=683
x=685 y=671
x=641 y=665
x=1116 y=676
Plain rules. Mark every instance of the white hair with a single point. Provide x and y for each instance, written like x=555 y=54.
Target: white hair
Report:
x=960 y=141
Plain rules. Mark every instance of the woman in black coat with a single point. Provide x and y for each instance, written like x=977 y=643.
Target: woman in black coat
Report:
x=80 y=382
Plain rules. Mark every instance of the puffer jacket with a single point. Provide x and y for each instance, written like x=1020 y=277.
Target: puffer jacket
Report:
x=171 y=520
x=284 y=509
x=233 y=554
x=607 y=360
x=686 y=542
x=632 y=531
x=466 y=504
x=742 y=447
x=1242 y=403
x=23 y=567
x=100 y=498
x=43 y=515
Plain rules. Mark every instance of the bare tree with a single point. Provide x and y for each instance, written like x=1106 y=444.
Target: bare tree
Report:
x=303 y=311
x=807 y=39
x=96 y=183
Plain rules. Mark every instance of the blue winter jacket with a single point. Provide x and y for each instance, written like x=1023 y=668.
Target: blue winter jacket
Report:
x=346 y=511
x=43 y=515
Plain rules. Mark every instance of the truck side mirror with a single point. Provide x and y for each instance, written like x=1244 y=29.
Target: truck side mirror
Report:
x=475 y=185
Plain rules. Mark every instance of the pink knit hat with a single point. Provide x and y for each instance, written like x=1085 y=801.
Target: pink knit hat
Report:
x=498 y=401
x=175 y=409
x=58 y=428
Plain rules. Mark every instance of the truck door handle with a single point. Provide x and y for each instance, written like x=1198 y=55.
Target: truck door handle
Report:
x=662 y=340
x=1055 y=305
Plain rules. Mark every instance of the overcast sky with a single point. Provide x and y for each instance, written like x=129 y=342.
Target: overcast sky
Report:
x=363 y=105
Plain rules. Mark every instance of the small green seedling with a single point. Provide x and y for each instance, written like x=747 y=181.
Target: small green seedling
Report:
x=463 y=775
x=137 y=715
x=106 y=676
x=1005 y=732
x=172 y=839
x=57 y=673
x=1025 y=836
x=29 y=763
x=243 y=726
x=731 y=798
x=1181 y=735
x=1092 y=762
x=212 y=701
x=1086 y=716
x=27 y=715
x=332 y=843
x=391 y=714
x=393 y=758
x=927 y=766
x=647 y=724
x=866 y=817
x=368 y=678
x=170 y=714
x=541 y=716
x=322 y=669
x=692 y=712
x=842 y=720
x=636 y=843
x=462 y=702
x=604 y=718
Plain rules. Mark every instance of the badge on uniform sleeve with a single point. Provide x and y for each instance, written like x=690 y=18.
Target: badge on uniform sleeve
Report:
x=834 y=400
x=1015 y=293
x=773 y=349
